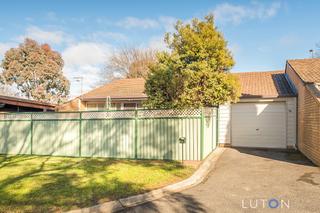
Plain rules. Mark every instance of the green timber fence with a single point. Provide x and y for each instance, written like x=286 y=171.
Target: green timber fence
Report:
x=134 y=134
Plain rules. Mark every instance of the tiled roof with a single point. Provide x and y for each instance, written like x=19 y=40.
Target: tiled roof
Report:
x=121 y=89
x=264 y=84
x=253 y=84
x=307 y=69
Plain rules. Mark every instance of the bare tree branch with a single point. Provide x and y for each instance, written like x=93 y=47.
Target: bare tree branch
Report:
x=130 y=63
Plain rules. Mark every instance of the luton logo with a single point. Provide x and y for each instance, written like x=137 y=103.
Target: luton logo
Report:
x=272 y=203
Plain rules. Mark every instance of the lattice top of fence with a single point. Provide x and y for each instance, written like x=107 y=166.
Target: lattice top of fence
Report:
x=119 y=114
x=169 y=113
x=15 y=116
x=108 y=114
x=56 y=116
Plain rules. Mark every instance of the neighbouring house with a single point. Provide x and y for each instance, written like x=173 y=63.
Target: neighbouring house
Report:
x=116 y=95
x=14 y=104
x=305 y=75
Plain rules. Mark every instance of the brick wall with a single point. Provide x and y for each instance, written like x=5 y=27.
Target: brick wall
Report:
x=308 y=119
x=72 y=105
x=310 y=144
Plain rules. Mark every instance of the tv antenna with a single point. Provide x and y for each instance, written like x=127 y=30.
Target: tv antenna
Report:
x=311 y=51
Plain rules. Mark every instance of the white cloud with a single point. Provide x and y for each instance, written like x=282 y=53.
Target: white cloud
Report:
x=133 y=22
x=85 y=59
x=157 y=43
x=235 y=14
x=4 y=47
x=44 y=36
x=98 y=36
x=168 y=22
x=85 y=53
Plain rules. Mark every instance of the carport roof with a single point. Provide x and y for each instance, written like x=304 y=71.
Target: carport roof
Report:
x=22 y=102
x=272 y=84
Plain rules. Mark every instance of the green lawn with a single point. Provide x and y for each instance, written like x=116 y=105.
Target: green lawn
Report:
x=42 y=184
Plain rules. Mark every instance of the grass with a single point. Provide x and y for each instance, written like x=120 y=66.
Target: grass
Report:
x=53 y=184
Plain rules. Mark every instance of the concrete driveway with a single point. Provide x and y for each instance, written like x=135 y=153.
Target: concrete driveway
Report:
x=249 y=180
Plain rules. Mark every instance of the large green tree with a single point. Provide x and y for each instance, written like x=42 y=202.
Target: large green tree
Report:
x=36 y=71
x=195 y=72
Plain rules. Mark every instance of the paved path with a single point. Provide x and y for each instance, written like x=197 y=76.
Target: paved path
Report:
x=244 y=175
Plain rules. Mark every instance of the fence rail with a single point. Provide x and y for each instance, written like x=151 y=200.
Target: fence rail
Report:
x=136 y=134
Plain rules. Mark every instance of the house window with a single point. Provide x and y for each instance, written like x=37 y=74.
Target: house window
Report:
x=95 y=106
x=101 y=106
x=91 y=107
x=129 y=105
x=115 y=106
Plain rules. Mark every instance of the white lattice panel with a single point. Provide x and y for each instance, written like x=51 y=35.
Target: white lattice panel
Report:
x=15 y=116
x=170 y=113
x=56 y=116
x=110 y=114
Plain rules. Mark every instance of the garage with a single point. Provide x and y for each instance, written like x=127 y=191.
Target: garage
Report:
x=265 y=115
x=259 y=125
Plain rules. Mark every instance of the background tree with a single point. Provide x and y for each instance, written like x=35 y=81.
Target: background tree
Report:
x=195 y=72
x=36 y=71
x=130 y=63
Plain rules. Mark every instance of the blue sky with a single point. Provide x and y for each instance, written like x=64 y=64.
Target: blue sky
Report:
x=261 y=34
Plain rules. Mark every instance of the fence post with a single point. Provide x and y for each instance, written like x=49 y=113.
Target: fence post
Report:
x=31 y=134
x=80 y=132
x=136 y=134
x=217 y=126
x=201 y=134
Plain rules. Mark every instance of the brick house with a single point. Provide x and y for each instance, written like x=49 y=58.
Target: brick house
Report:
x=116 y=95
x=305 y=75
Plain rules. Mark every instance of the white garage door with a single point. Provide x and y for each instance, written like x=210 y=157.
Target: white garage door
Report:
x=259 y=125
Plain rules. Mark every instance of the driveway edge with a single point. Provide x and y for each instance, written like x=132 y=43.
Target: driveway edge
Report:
x=198 y=176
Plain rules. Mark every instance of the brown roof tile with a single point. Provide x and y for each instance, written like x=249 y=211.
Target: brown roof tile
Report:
x=122 y=88
x=307 y=69
x=264 y=84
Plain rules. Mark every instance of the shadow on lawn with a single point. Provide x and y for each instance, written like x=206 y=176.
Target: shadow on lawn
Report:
x=59 y=189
